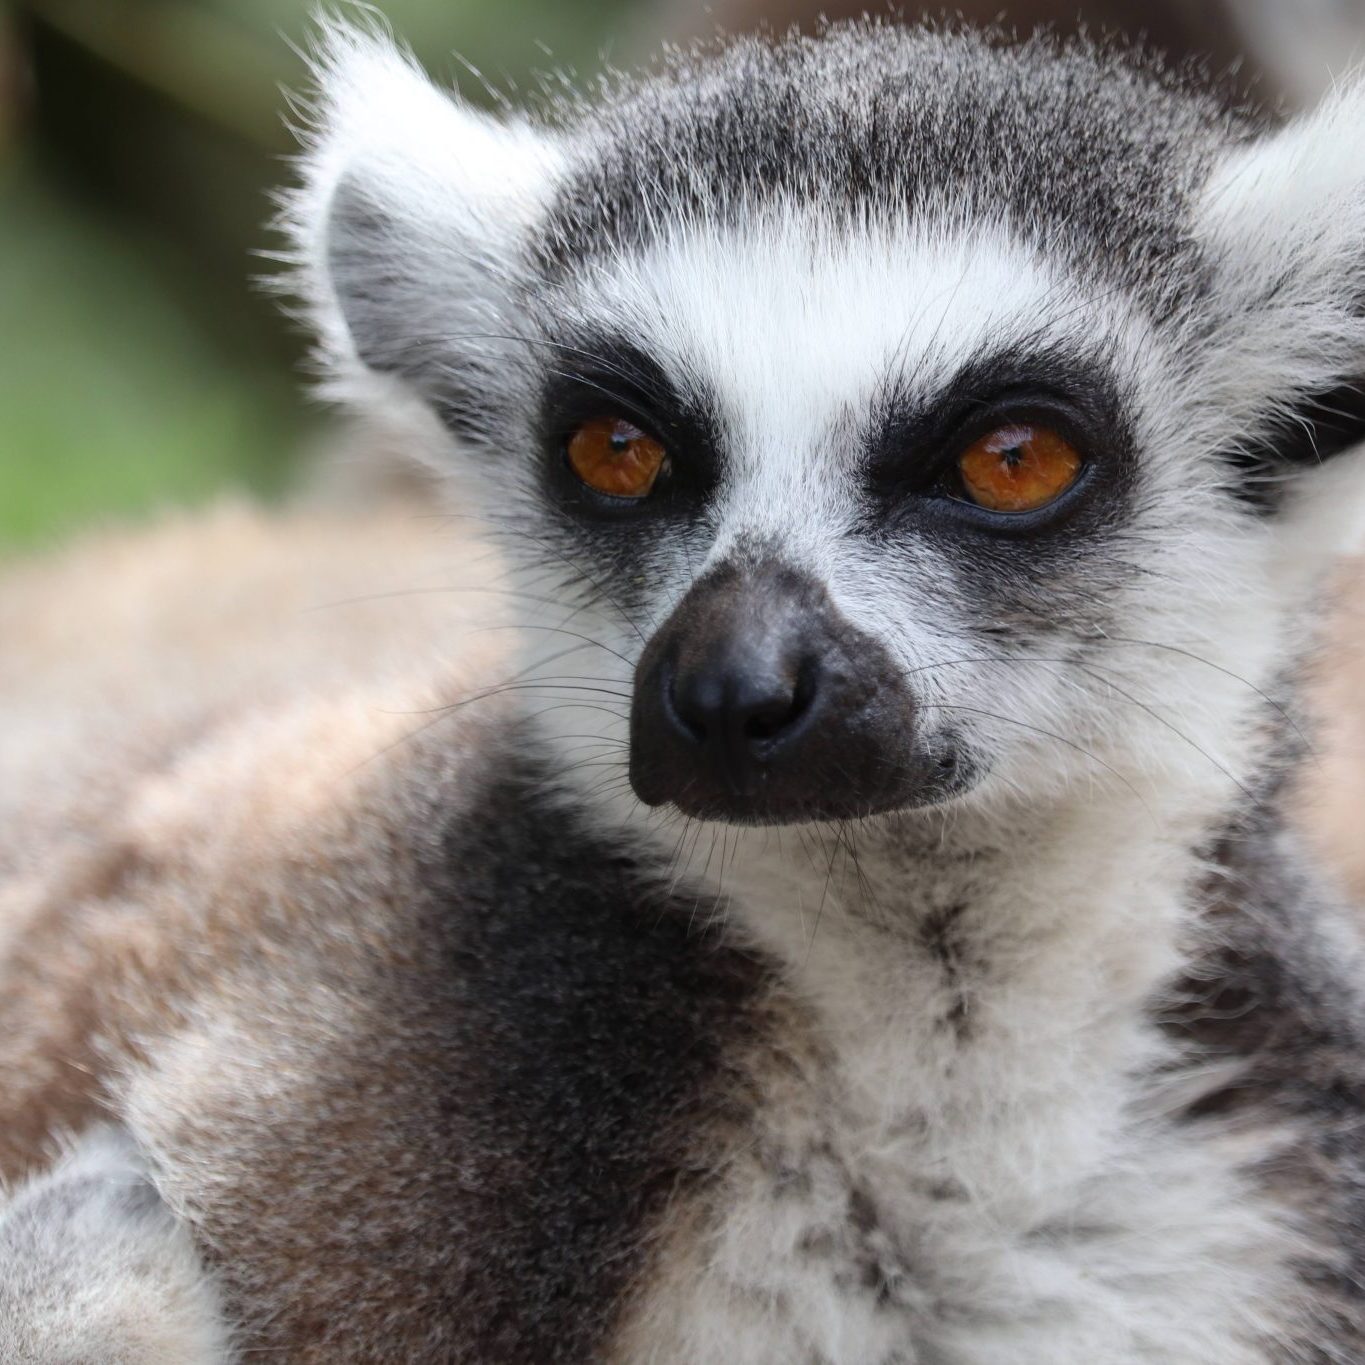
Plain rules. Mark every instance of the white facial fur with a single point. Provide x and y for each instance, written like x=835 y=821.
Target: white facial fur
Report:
x=796 y=328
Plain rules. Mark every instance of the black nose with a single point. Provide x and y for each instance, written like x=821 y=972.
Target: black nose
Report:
x=743 y=701
x=757 y=702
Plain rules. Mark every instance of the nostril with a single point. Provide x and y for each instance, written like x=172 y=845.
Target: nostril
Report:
x=765 y=723
x=682 y=710
x=743 y=710
x=767 y=718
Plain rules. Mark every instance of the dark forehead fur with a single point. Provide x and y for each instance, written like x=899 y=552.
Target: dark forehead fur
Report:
x=1092 y=150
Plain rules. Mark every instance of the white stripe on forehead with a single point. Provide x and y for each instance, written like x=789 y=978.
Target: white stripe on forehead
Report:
x=790 y=331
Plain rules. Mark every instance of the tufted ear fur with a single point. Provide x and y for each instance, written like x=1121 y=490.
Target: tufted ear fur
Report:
x=1283 y=221
x=411 y=206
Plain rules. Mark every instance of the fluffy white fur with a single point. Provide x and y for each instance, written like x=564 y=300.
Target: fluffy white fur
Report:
x=95 y=1270
x=460 y=183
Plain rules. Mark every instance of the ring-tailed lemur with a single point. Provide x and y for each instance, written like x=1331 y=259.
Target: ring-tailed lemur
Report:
x=872 y=937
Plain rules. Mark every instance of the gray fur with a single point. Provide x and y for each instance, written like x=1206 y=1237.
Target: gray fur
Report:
x=1090 y=151
x=95 y=1270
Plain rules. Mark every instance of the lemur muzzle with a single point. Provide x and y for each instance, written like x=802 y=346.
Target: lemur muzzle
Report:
x=758 y=702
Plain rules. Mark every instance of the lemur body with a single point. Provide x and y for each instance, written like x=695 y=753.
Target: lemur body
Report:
x=979 y=1011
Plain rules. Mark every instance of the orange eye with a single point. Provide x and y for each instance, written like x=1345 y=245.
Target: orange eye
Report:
x=612 y=456
x=1018 y=468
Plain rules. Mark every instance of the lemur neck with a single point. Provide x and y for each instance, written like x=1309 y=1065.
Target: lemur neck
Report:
x=961 y=956
x=988 y=897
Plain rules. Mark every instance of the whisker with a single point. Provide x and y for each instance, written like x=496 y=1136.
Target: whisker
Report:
x=1060 y=739
x=1097 y=672
x=559 y=630
x=1219 y=668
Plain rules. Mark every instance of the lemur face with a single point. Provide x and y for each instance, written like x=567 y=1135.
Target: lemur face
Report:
x=852 y=527
x=908 y=418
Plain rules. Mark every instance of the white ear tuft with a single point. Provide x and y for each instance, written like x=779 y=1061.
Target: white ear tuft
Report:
x=1296 y=198
x=410 y=207
x=1283 y=222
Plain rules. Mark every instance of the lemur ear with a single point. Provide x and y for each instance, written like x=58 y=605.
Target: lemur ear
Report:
x=1283 y=221
x=412 y=205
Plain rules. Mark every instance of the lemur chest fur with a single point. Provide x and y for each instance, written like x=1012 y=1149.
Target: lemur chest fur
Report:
x=964 y=1153
x=844 y=1235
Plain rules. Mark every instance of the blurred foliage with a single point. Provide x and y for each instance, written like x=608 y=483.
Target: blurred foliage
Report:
x=113 y=397
x=138 y=141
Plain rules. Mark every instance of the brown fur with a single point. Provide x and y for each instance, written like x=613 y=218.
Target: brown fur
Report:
x=197 y=719
x=223 y=784
x=1331 y=789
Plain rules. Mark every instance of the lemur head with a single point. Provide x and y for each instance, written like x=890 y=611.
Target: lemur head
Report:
x=910 y=416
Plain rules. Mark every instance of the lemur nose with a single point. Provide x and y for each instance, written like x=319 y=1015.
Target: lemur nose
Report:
x=742 y=703
x=757 y=702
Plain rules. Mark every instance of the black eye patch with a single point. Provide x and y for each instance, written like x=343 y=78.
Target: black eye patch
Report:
x=594 y=376
x=913 y=441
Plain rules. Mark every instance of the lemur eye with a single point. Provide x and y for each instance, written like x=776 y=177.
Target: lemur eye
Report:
x=1018 y=468
x=614 y=457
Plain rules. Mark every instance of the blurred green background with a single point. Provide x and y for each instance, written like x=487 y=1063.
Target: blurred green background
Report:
x=139 y=365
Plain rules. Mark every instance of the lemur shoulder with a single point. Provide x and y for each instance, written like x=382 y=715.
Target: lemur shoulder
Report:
x=858 y=924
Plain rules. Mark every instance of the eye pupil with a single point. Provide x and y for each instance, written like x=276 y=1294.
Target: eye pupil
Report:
x=614 y=457
x=1018 y=468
